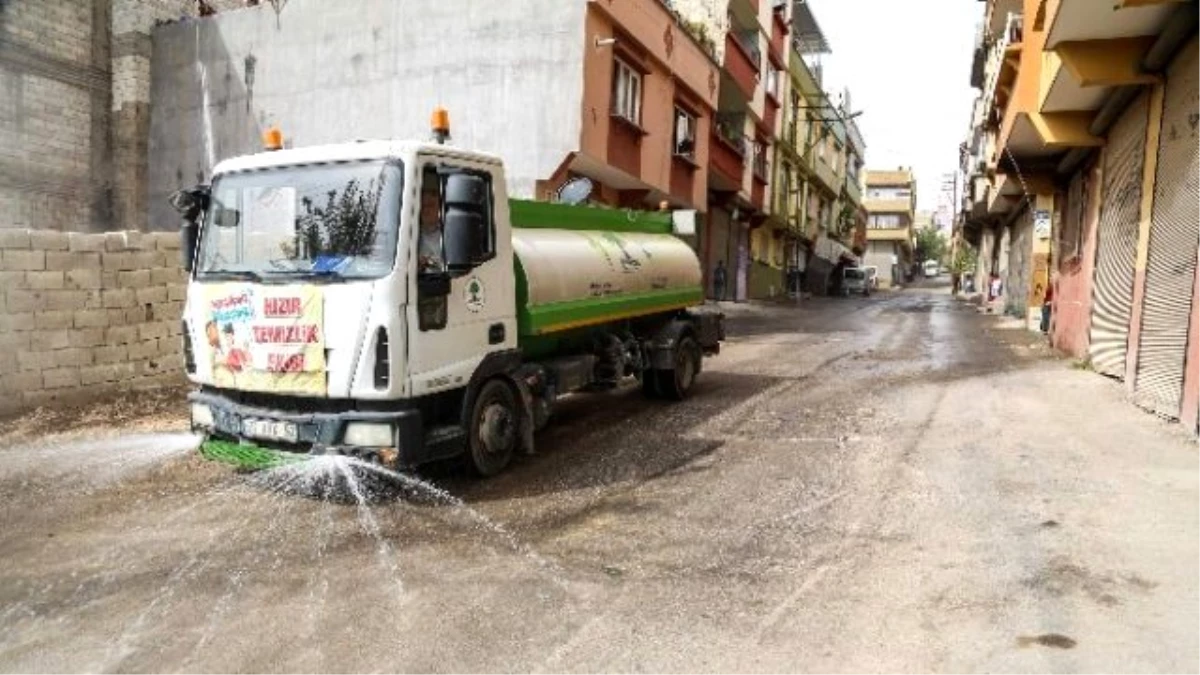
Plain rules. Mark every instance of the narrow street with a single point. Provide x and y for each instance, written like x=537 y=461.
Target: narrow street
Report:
x=888 y=483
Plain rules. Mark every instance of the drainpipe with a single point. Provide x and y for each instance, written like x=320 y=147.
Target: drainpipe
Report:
x=1180 y=28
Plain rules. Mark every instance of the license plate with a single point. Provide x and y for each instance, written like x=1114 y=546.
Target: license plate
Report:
x=270 y=430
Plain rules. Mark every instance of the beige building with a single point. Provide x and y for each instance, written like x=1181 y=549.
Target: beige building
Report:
x=890 y=202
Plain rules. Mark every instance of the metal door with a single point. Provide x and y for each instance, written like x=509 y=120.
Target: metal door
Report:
x=1174 y=238
x=1116 y=239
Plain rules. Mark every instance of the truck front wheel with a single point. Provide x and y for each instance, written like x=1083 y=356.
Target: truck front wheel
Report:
x=495 y=427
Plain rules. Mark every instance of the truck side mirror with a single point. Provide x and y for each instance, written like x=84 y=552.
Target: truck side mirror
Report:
x=461 y=239
x=466 y=235
x=191 y=204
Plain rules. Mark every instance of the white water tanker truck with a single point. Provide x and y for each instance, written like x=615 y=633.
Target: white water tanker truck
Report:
x=387 y=300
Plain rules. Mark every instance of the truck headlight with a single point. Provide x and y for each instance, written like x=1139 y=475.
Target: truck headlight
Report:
x=368 y=434
x=202 y=416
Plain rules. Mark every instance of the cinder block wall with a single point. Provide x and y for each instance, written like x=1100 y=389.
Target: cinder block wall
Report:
x=81 y=314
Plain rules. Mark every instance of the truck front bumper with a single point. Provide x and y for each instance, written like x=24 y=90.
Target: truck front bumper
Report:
x=392 y=438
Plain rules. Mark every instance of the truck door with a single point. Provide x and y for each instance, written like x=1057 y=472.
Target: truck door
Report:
x=452 y=332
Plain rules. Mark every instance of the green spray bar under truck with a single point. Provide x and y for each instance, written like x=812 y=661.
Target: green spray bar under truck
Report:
x=386 y=300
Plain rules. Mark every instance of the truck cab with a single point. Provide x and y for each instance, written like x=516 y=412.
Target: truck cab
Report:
x=361 y=299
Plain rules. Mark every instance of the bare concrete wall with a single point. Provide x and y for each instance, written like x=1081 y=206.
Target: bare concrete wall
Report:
x=332 y=71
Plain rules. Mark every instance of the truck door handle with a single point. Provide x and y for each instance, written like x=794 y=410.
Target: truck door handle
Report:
x=495 y=334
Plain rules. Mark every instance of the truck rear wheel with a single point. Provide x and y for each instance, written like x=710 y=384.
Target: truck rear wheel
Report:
x=677 y=382
x=494 y=432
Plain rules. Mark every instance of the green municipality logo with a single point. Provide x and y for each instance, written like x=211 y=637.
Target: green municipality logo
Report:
x=473 y=294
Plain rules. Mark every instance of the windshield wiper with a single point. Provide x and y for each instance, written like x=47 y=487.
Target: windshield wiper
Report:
x=244 y=275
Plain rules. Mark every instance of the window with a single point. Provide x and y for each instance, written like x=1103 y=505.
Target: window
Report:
x=883 y=221
x=772 y=86
x=760 y=159
x=627 y=92
x=684 y=142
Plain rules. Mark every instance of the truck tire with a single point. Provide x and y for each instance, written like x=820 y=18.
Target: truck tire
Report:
x=495 y=429
x=676 y=383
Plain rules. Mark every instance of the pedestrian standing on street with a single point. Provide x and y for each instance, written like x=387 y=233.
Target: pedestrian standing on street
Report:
x=1047 y=307
x=719 y=281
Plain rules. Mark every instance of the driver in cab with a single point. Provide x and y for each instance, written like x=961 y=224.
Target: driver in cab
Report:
x=429 y=245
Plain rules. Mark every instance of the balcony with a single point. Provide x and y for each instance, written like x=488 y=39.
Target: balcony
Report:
x=827 y=176
x=727 y=154
x=852 y=191
x=743 y=63
x=889 y=234
x=1080 y=75
x=901 y=205
x=779 y=31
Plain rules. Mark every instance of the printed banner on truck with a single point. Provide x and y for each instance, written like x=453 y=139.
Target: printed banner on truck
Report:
x=266 y=338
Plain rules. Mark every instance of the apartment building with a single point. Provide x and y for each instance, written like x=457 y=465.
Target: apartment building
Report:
x=1081 y=167
x=890 y=203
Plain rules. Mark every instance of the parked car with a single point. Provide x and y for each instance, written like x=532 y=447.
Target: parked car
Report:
x=854 y=281
x=932 y=269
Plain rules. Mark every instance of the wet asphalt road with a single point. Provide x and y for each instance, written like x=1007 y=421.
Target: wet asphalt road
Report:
x=892 y=483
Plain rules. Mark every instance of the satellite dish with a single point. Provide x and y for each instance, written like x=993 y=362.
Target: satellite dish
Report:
x=574 y=191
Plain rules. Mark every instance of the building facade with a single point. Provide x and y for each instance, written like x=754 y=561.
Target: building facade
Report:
x=1081 y=167
x=890 y=204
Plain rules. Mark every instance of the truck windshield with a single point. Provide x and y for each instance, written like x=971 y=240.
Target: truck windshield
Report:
x=318 y=220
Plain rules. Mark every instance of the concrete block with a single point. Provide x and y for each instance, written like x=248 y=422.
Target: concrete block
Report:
x=71 y=356
x=138 y=278
x=119 y=335
x=92 y=318
x=12 y=279
x=82 y=242
x=177 y=292
x=165 y=276
x=86 y=337
x=44 y=280
x=58 y=378
x=68 y=260
x=14 y=239
x=43 y=398
x=66 y=300
x=139 y=314
x=20 y=301
x=88 y=279
x=34 y=359
x=146 y=349
x=167 y=241
x=8 y=363
x=20 y=382
x=119 y=297
x=59 y=338
x=117 y=261
x=56 y=319
x=152 y=331
x=15 y=341
x=148 y=260
x=110 y=354
x=17 y=259
x=151 y=295
x=123 y=241
x=49 y=240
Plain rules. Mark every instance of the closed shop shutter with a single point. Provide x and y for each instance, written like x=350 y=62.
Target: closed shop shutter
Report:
x=718 y=251
x=1020 y=265
x=1116 y=239
x=1174 y=238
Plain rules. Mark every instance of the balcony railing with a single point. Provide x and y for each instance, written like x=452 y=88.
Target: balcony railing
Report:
x=1013 y=28
x=730 y=130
